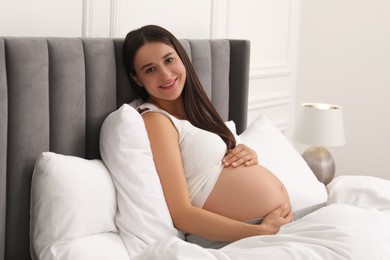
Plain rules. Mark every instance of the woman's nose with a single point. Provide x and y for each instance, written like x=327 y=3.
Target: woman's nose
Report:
x=165 y=73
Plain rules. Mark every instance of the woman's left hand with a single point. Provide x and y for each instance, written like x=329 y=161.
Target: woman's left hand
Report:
x=240 y=155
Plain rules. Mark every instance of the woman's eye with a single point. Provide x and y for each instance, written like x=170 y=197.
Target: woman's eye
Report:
x=148 y=70
x=169 y=60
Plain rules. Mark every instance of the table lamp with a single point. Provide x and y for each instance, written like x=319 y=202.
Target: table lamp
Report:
x=319 y=125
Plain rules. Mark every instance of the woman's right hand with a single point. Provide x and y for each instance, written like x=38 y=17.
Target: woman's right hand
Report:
x=276 y=218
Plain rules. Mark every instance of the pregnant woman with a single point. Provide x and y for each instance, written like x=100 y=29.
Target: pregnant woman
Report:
x=215 y=189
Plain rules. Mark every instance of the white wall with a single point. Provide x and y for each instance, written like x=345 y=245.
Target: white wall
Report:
x=344 y=58
x=41 y=17
x=271 y=26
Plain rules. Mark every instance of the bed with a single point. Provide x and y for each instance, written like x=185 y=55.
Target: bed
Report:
x=65 y=103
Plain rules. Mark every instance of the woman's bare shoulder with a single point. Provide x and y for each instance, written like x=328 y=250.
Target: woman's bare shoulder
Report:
x=159 y=124
x=156 y=118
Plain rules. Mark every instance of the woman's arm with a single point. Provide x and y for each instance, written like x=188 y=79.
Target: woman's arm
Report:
x=164 y=138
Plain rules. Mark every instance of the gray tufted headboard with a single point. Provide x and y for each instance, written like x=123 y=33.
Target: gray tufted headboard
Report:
x=55 y=94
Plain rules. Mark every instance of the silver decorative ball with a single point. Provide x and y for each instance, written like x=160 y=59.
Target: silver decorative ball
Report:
x=320 y=162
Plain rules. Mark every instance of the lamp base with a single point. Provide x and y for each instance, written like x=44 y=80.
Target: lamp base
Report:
x=320 y=162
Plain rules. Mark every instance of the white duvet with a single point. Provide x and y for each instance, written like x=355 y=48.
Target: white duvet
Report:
x=354 y=225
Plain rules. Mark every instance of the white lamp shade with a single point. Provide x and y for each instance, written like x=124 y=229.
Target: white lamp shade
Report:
x=319 y=124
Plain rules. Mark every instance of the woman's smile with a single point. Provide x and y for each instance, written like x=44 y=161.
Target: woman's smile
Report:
x=169 y=84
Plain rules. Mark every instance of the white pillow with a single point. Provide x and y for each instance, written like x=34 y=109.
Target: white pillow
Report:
x=360 y=191
x=143 y=217
x=277 y=154
x=71 y=198
x=101 y=246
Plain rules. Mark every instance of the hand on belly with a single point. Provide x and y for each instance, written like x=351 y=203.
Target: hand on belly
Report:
x=246 y=193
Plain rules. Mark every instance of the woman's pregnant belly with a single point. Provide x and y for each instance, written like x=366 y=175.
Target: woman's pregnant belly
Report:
x=246 y=193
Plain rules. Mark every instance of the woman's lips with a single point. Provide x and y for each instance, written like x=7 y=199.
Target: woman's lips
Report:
x=169 y=84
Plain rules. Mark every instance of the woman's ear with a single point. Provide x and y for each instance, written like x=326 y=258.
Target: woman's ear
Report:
x=135 y=78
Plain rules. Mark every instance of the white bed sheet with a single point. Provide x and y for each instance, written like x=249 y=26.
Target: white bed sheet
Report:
x=345 y=229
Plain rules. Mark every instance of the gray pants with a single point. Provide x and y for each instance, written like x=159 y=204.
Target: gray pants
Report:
x=203 y=242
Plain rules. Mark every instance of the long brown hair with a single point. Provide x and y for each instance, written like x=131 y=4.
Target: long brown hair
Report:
x=200 y=111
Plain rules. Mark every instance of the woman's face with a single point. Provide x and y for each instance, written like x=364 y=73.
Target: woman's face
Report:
x=160 y=71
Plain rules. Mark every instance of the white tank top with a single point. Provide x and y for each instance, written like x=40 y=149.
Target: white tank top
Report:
x=202 y=153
